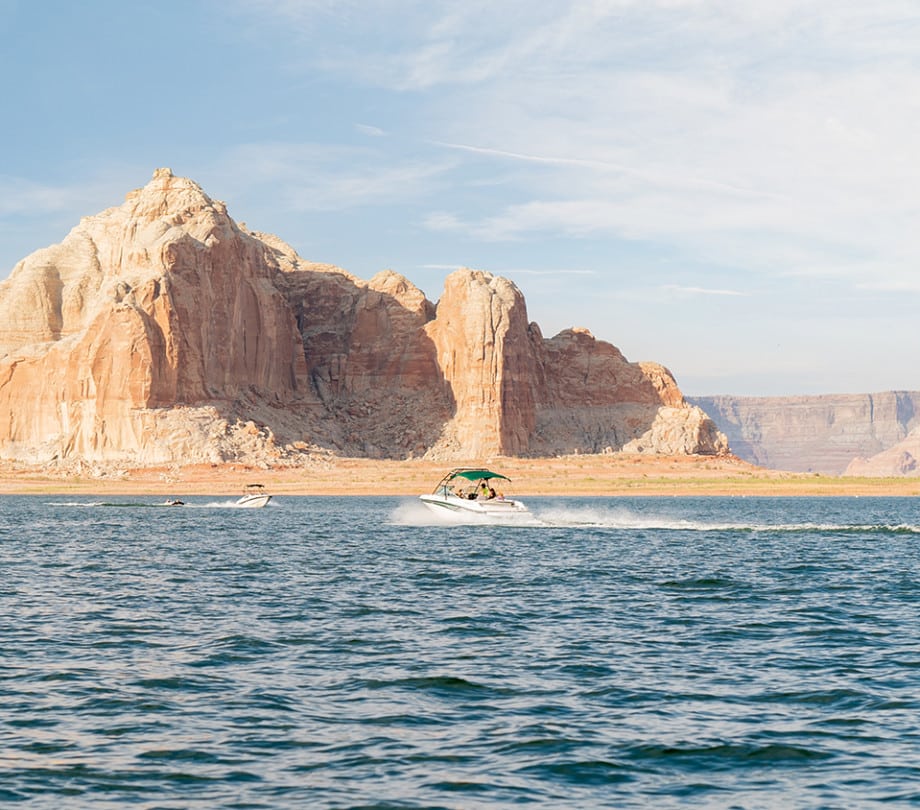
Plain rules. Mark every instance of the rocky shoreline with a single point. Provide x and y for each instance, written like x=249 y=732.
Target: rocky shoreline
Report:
x=615 y=474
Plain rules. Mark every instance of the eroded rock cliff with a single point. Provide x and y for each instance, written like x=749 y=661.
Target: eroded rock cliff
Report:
x=162 y=331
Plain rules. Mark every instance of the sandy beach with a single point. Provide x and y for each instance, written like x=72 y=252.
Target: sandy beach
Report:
x=586 y=475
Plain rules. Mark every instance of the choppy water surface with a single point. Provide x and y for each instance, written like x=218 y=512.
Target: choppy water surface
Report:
x=349 y=652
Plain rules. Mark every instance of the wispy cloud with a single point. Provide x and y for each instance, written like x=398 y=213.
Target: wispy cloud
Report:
x=679 y=289
x=317 y=177
x=557 y=271
x=523 y=271
x=762 y=134
x=649 y=178
x=22 y=197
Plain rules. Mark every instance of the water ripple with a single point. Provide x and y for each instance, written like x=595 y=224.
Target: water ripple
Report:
x=344 y=653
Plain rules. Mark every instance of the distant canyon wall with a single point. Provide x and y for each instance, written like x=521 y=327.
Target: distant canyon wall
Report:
x=872 y=434
x=161 y=331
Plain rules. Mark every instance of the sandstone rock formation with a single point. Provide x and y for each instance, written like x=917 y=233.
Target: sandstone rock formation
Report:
x=814 y=433
x=161 y=331
x=158 y=303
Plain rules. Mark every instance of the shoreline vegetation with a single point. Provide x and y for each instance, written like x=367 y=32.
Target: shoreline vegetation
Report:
x=574 y=475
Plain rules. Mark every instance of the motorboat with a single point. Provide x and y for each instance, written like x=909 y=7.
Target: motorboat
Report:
x=173 y=502
x=474 y=492
x=254 y=497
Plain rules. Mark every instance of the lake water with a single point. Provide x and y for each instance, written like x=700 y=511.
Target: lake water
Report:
x=353 y=653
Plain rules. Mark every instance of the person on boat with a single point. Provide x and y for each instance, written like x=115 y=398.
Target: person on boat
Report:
x=484 y=490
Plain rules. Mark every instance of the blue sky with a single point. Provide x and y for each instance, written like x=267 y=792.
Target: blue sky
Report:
x=728 y=187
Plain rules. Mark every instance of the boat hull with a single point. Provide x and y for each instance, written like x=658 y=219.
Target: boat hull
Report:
x=495 y=508
x=253 y=501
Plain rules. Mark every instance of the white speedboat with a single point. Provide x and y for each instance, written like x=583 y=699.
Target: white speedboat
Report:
x=254 y=497
x=474 y=492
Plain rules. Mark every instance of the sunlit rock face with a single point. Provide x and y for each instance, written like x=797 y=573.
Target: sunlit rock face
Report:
x=160 y=302
x=162 y=331
x=486 y=356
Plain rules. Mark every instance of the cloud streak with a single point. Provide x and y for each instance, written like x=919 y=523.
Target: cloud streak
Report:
x=23 y=197
x=318 y=177
x=681 y=290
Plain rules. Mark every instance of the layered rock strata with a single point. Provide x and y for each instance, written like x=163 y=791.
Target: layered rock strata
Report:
x=900 y=460
x=162 y=331
x=821 y=434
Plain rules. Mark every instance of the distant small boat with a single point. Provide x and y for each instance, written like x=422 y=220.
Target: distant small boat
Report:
x=173 y=502
x=467 y=491
x=254 y=497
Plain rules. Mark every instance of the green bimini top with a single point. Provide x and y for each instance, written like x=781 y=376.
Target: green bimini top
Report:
x=476 y=475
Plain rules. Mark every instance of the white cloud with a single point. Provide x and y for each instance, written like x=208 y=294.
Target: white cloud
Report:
x=552 y=272
x=822 y=163
x=681 y=290
x=23 y=197
x=442 y=221
x=316 y=177
x=523 y=271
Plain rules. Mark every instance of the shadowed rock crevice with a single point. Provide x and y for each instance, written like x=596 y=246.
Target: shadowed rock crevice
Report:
x=369 y=360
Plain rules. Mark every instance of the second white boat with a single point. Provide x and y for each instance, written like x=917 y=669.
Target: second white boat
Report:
x=254 y=497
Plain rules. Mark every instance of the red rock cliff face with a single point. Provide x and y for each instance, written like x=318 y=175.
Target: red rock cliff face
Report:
x=162 y=331
x=485 y=354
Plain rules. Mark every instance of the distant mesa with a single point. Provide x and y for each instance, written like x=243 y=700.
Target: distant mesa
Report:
x=901 y=459
x=836 y=434
x=161 y=331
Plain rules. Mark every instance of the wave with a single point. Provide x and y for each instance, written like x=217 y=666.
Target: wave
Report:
x=626 y=519
x=416 y=514
x=98 y=504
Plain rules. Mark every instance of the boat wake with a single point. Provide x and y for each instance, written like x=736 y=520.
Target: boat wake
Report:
x=231 y=504
x=416 y=514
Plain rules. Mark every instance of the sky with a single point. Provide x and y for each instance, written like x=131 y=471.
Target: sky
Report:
x=728 y=187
